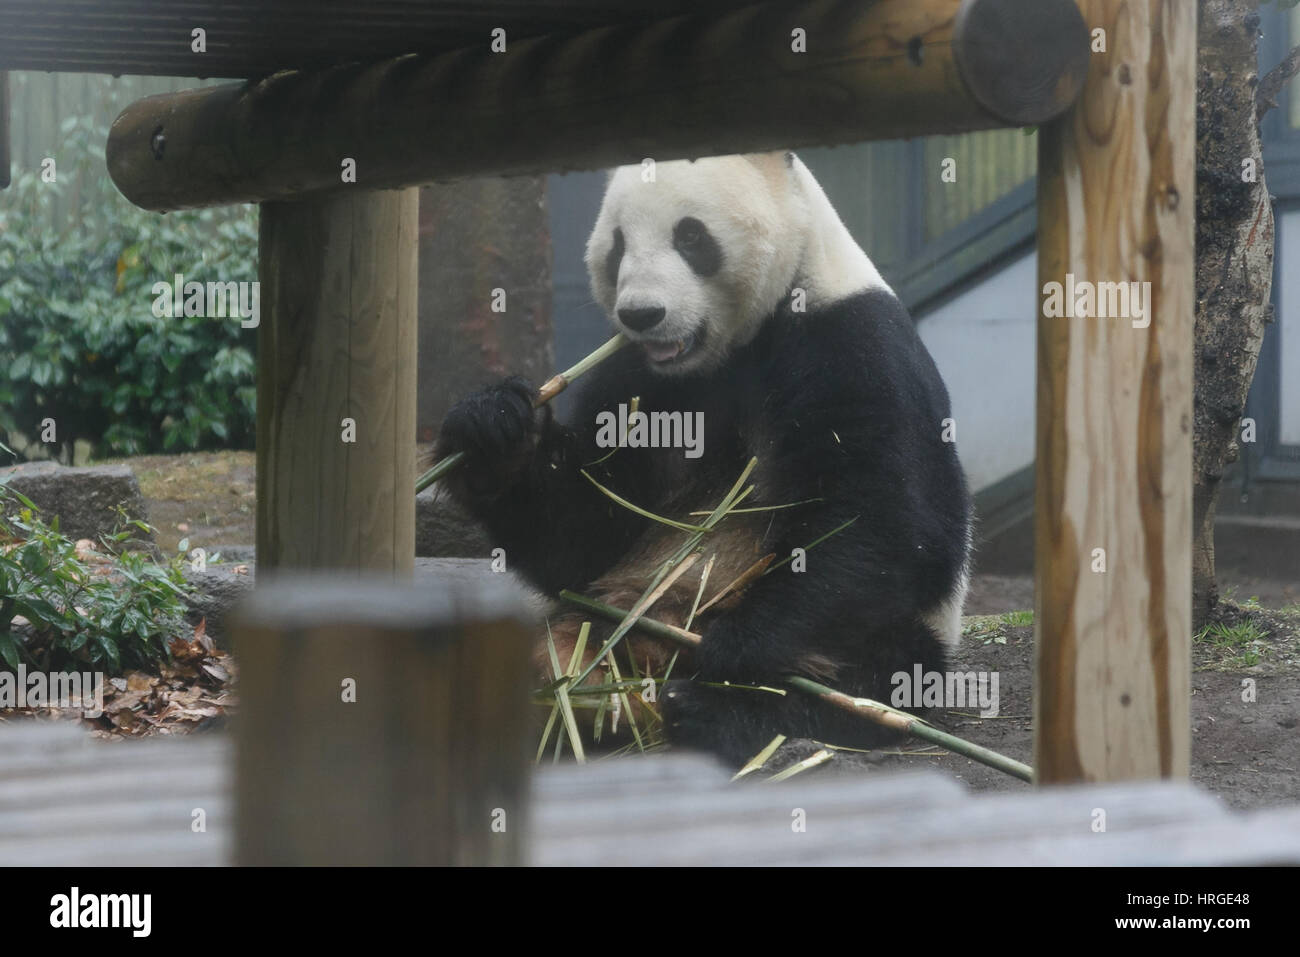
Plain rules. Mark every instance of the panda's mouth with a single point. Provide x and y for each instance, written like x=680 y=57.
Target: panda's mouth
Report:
x=664 y=351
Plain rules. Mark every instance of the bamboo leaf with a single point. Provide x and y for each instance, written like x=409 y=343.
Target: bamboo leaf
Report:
x=760 y=759
x=808 y=763
x=645 y=513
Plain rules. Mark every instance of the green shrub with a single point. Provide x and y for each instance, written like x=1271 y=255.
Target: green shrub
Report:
x=80 y=615
x=79 y=342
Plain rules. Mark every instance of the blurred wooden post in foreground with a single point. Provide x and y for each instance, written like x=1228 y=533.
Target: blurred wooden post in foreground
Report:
x=382 y=724
x=1116 y=179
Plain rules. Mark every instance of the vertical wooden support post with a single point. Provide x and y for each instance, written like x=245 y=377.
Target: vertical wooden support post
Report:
x=381 y=724
x=1114 y=432
x=336 y=383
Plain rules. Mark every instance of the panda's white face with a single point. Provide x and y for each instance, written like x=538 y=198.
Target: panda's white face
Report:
x=688 y=264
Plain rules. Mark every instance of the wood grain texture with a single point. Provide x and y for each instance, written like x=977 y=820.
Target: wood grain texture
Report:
x=1115 y=201
x=688 y=86
x=1024 y=60
x=337 y=340
x=413 y=770
x=665 y=809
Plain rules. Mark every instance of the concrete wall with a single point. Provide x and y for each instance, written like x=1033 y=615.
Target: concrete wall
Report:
x=983 y=343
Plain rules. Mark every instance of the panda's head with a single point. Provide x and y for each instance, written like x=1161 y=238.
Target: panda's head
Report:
x=688 y=258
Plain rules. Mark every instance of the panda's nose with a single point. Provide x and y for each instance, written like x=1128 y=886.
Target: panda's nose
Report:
x=639 y=320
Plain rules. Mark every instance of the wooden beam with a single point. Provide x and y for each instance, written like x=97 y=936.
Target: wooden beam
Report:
x=381 y=724
x=337 y=346
x=1113 y=501
x=771 y=76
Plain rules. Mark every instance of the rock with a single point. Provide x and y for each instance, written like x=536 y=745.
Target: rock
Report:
x=213 y=592
x=444 y=530
x=83 y=498
x=232 y=554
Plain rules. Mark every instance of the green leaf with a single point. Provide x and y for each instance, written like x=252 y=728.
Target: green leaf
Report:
x=9 y=649
x=39 y=612
x=110 y=650
x=32 y=560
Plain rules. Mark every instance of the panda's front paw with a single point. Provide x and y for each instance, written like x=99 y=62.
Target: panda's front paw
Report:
x=497 y=430
x=686 y=713
x=732 y=723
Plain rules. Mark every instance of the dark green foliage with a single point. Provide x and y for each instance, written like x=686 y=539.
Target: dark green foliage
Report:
x=79 y=342
x=80 y=615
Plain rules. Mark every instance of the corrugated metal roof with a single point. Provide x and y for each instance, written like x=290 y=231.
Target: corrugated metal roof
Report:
x=247 y=38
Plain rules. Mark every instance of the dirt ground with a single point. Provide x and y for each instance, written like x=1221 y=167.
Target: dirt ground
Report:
x=207 y=497
x=1247 y=753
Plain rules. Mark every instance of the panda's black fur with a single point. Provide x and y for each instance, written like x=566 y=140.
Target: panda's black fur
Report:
x=842 y=405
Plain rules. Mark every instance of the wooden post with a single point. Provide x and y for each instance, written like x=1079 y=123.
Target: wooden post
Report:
x=1113 y=502
x=770 y=76
x=381 y=724
x=336 y=383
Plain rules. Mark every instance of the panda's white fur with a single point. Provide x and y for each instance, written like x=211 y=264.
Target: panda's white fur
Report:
x=751 y=305
x=770 y=216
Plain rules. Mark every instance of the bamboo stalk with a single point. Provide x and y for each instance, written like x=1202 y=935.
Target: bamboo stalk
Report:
x=648 y=625
x=741 y=581
x=549 y=390
x=737 y=494
x=881 y=714
x=911 y=724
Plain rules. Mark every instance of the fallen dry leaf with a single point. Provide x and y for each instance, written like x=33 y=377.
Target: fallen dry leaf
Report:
x=217 y=672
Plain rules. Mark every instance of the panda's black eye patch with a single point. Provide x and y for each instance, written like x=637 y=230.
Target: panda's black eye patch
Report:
x=695 y=244
x=615 y=258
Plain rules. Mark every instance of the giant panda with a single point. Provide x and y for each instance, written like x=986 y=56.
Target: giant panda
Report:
x=747 y=300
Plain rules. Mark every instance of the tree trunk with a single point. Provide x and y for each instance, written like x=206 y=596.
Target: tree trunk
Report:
x=1234 y=263
x=477 y=237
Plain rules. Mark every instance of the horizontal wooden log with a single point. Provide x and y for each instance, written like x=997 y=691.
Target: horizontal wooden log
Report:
x=772 y=76
x=382 y=724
